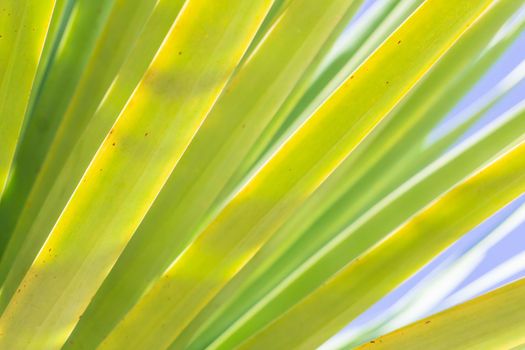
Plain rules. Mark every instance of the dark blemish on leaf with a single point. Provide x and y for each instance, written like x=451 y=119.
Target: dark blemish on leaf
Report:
x=351 y=77
x=373 y=342
x=386 y=82
x=113 y=143
x=399 y=42
x=49 y=250
x=427 y=322
x=146 y=134
x=111 y=131
x=180 y=53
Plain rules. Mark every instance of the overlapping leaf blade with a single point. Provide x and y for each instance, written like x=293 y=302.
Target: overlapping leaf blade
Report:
x=23 y=27
x=263 y=176
x=196 y=187
x=351 y=291
x=70 y=153
x=494 y=320
x=129 y=170
x=339 y=201
x=295 y=171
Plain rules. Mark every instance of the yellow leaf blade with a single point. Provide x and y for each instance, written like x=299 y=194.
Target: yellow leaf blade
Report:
x=491 y=321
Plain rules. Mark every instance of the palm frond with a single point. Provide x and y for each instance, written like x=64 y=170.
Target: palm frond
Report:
x=198 y=174
x=491 y=321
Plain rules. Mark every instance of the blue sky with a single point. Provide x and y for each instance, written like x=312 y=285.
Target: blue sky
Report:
x=501 y=250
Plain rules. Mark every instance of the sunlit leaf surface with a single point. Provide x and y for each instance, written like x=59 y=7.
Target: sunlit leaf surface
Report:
x=263 y=174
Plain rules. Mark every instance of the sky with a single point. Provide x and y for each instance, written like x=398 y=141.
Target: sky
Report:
x=495 y=249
